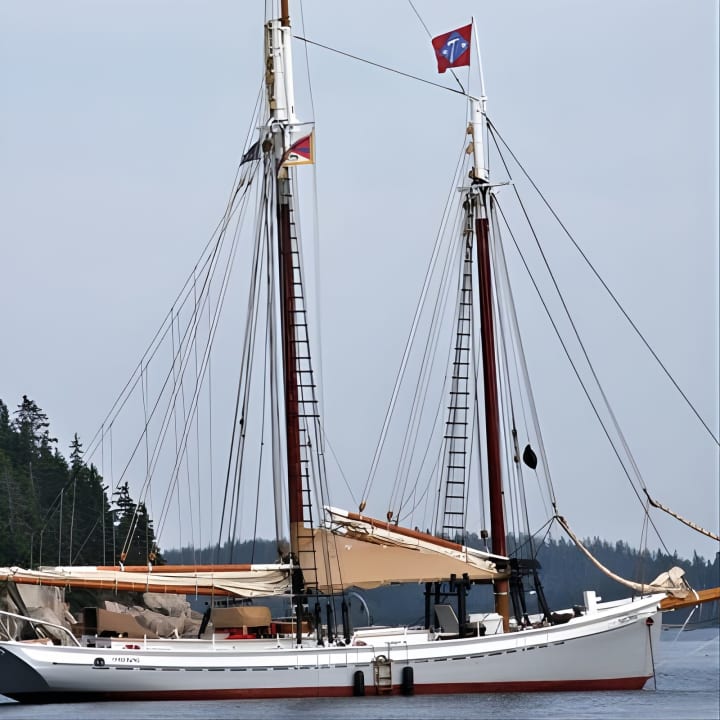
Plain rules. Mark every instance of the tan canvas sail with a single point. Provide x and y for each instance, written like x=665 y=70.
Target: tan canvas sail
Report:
x=367 y=553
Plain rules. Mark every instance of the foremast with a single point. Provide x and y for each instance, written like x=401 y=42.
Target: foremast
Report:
x=478 y=204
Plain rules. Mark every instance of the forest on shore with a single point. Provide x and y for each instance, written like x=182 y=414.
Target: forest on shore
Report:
x=564 y=574
x=58 y=511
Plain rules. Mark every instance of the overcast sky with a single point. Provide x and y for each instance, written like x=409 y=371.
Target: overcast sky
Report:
x=122 y=122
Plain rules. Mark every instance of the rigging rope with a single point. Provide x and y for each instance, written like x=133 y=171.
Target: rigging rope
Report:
x=185 y=360
x=382 y=67
x=458 y=358
x=574 y=367
x=683 y=520
x=421 y=390
x=208 y=266
x=611 y=413
x=676 y=586
x=182 y=297
x=494 y=131
x=504 y=338
x=262 y=442
x=210 y=436
x=237 y=447
x=576 y=333
x=521 y=368
x=408 y=345
x=429 y=34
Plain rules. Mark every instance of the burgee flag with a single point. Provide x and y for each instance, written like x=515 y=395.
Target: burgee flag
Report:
x=453 y=48
x=301 y=152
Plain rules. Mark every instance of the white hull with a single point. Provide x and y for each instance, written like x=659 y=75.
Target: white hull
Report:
x=611 y=648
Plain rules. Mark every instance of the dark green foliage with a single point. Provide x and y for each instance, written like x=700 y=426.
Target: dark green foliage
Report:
x=17 y=517
x=57 y=513
x=561 y=560
x=132 y=521
x=565 y=573
x=32 y=426
x=248 y=551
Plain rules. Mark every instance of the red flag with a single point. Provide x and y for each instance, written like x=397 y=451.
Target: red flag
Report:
x=453 y=48
x=301 y=152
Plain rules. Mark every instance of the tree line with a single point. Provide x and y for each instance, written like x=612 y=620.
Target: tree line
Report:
x=564 y=574
x=57 y=511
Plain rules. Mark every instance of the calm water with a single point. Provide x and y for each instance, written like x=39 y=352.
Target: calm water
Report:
x=688 y=687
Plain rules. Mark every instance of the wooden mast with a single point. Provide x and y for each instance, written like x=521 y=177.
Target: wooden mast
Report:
x=285 y=13
x=492 y=410
x=482 y=197
x=282 y=119
x=290 y=380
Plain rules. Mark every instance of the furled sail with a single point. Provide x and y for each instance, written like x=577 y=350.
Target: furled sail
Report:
x=672 y=582
x=240 y=580
x=357 y=551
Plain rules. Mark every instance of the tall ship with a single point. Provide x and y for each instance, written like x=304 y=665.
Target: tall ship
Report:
x=490 y=445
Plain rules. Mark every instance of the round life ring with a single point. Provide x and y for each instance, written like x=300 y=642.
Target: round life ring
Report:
x=381 y=659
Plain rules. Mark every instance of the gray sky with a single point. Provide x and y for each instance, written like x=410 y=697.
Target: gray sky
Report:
x=121 y=124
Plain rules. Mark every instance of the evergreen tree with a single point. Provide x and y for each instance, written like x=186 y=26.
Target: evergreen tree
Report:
x=33 y=427
x=137 y=543
x=90 y=515
x=4 y=424
x=76 y=453
x=18 y=515
x=57 y=511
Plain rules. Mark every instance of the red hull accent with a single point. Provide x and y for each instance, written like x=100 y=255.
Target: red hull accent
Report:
x=634 y=683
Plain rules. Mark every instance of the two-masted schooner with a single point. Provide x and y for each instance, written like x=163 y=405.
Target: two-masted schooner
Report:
x=314 y=651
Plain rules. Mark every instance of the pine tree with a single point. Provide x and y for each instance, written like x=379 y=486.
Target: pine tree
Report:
x=33 y=427
x=57 y=511
x=89 y=516
x=5 y=429
x=136 y=542
x=76 y=459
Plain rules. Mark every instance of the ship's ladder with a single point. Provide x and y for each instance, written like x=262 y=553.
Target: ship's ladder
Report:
x=456 y=444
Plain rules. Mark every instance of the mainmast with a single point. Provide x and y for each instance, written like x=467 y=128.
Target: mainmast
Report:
x=281 y=99
x=480 y=197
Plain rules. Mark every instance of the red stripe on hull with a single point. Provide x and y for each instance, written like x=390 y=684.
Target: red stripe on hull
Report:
x=634 y=683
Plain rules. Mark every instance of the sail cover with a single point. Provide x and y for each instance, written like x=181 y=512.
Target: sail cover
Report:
x=356 y=551
x=243 y=581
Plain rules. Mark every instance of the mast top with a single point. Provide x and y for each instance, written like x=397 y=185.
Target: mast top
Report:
x=478 y=121
x=279 y=77
x=285 y=13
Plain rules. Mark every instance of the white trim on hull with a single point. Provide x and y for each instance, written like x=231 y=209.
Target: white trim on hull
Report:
x=607 y=649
